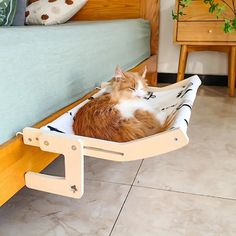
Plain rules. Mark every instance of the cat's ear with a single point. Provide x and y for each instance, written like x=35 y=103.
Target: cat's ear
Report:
x=144 y=73
x=119 y=74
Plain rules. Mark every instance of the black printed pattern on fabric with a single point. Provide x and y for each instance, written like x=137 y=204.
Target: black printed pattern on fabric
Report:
x=184 y=105
x=150 y=95
x=179 y=94
x=186 y=122
x=186 y=92
x=70 y=113
x=54 y=129
x=187 y=89
x=171 y=106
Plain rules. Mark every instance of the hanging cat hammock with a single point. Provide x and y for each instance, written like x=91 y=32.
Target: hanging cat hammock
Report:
x=175 y=100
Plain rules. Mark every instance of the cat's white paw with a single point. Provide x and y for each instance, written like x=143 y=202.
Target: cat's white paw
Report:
x=161 y=117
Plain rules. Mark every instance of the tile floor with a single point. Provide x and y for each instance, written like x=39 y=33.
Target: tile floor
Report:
x=189 y=192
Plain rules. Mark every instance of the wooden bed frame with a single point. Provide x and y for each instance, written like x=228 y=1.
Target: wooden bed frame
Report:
x=16 y=158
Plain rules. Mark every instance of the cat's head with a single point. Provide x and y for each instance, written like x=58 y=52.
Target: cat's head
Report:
x=129 y=84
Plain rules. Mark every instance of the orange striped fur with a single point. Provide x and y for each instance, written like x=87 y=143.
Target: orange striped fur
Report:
x=103 y=117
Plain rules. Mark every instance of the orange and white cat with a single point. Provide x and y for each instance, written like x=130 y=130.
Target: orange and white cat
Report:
x=121 y=114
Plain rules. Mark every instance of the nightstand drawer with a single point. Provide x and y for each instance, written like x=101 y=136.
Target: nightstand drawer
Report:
x=198 y=11
x=203 y=32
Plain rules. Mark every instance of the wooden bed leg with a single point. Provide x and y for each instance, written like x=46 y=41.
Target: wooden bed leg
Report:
x=151 y=64
x=72 y=185
x=152 y=78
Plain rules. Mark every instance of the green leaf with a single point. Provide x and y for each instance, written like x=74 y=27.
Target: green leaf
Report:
x=220 y=10
x=228 y=27
x=185 y=3
x=234 y=23
x=181 y=13
x=174 y=15
x=213 y=7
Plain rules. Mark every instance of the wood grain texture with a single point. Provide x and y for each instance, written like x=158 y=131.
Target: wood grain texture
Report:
x=108 y=10
x=204 y=32
x=232 y=71
x=16 y=158
x=214 y=48
x=199 y=27
x=150 y=10
x=182 y=62
x=151 y=65
x=198 y=11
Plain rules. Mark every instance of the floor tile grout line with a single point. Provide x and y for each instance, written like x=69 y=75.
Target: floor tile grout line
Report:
x=120 y=211
x=109 y=182
x=187 y=193
x=125 y=199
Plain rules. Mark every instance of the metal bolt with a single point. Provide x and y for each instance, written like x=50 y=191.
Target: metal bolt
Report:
x=73 y=147
x=46 y=143
x=37 y=139
x=176 y=139
x=30 y=139
x=73 y=188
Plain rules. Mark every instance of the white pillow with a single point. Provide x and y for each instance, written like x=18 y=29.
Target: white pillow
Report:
x=50 y=12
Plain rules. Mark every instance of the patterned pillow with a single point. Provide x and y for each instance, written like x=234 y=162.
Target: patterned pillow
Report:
x=50 y=12
x=7 y=11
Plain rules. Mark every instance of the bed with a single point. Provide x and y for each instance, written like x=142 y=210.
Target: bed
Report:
x=24 y=99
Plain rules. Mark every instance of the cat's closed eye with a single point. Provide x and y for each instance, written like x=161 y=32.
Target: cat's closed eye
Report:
x=133 y=89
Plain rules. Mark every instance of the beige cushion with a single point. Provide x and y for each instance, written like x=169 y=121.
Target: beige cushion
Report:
x=50 y=12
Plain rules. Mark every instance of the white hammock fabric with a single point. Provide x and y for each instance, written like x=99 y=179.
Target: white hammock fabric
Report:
x=176 y=99
x=58 y=137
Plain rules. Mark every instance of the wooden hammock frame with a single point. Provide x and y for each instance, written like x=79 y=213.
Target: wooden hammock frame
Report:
x=17 y=159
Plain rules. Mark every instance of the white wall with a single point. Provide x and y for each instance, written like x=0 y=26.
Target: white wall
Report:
x=198 y=62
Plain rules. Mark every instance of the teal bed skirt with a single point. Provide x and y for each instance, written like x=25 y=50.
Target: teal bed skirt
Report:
x=45 y=68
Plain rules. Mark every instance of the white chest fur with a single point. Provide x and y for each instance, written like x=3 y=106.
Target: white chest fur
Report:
x=127 y=108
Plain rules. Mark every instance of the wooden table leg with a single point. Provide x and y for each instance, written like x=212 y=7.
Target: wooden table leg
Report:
x=232 y=71
x=182 y=62
x=229 y=56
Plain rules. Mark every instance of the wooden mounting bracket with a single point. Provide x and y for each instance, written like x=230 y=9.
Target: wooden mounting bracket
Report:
x=72 y=185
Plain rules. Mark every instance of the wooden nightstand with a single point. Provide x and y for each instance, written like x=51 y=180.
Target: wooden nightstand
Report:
x=199 y=30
